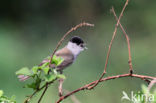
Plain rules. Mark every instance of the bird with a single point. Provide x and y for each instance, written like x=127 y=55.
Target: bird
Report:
x=69 y=53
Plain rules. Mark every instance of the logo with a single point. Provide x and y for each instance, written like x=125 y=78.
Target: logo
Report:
x=137 y=97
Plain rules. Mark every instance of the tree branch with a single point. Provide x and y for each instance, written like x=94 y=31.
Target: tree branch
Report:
x=128 y=42
x=102 y=80
x=110 y=45
x=46 y=87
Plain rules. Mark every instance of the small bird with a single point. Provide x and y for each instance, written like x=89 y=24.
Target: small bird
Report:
x=69 y=53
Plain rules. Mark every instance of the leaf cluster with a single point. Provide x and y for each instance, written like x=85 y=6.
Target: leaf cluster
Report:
x=5 y=99
x=41 y=74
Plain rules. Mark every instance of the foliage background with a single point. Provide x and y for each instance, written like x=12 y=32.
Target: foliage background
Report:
x=30 y=30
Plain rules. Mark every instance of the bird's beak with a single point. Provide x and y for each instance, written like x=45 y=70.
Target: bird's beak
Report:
x=84 y=45
x=85 y=48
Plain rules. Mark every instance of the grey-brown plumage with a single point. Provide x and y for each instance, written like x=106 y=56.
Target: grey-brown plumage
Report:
x=64 y=53
x=68 y=57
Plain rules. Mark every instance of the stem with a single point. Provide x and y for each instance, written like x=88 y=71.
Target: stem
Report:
x=142 y=77
x=43 y=93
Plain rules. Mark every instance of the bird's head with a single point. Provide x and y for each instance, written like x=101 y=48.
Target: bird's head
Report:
x=76 y=45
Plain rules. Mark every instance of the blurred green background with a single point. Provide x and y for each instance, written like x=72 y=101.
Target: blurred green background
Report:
x=30 y=30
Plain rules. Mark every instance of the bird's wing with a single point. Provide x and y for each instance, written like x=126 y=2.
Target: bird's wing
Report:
x=67 y=56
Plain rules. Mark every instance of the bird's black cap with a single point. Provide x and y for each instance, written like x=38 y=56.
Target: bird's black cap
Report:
x=76 y=40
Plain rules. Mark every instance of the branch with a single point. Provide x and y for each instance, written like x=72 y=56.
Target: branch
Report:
x=46 y=87
x=29 y=98
x=128 y=42
x=151 y=84
x=102 y=80
x=110 y=45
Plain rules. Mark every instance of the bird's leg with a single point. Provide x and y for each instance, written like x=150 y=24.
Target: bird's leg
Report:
x=61 y=80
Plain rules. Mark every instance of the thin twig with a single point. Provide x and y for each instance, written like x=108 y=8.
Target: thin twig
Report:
x=29 y=98
x=59 y=43
x=102 y=80
x=46 y=87
x=128 y=42
x=110 y=45
x=61 y=80
x=151 y=84
x=43 y=93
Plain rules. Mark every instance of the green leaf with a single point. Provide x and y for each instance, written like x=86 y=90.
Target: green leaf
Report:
x=61 y=76
x=54 y=60
x=44 y=65
x=34 y=85
x=46 y=69
x=144 y=89
x=35 y=69
x=5 y=99
x=13 y=98
x=57 y=60
x=24 y=71
x=49 y=78
x=1 y=93
x=38 y=82
x=60 y=60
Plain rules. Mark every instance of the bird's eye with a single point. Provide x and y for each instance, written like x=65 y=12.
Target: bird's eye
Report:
x=81 y=45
